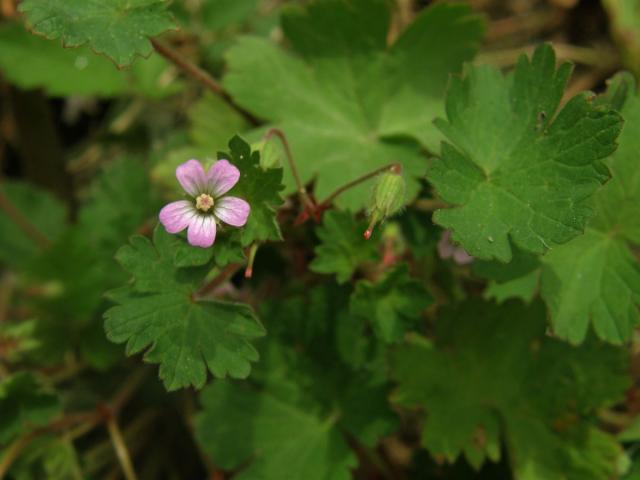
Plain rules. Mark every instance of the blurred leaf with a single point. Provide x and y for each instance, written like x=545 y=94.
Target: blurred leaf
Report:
x=47 y=457
x=281 y=439
x=24 y=405
x=118 y=29
x=41 y=209
x=515 y=171
x=392 y=305
x=119 y=203
x=212 y=122
x=624 y=21
x=341 y=96
x=343 y=247
x=494 y=377
x=186 y=336
x=261 y=188
x=218 y=14
x=32 y=62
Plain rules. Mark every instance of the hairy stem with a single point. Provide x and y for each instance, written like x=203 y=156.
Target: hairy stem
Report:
x=199 y=75
x=302 y=191
x=392 y=167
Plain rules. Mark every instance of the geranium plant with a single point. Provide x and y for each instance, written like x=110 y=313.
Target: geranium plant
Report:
x=328 y=239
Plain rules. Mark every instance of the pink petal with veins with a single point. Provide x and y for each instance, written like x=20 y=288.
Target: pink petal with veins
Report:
x=202 y=231
x=232 y=210
x=177 y=216
x=222 y=177
x=192 y=177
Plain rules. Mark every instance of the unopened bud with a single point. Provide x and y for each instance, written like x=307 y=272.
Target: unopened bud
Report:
x=388 y=197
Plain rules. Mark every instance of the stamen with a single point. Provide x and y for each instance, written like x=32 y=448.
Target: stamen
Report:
x=204 y=202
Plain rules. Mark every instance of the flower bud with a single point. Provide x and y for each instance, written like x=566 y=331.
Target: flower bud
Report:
x=388 y=197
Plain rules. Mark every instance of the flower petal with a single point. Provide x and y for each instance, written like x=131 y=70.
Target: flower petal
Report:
x=232 y=210
x=222 y=177
x=176 y=216
x=192 y=177
x=202 y=231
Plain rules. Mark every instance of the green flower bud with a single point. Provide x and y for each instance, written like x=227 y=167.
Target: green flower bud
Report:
x=388 y=197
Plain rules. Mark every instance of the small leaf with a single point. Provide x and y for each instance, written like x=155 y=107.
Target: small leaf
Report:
x=343 y=248
x=261 y=188
x=119 y=29
x=392 y=305
x=517 y=171
x=186 y=336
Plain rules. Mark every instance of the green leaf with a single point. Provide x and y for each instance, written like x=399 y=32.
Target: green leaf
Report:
x=119 y=203
x=39 y=208
x=392 y=305
x=493 y=377
x=518 y=171
x=219 y=14
x=25 y=405
x=261 y=188
x=213 y=121
x=343 y=248
x=33 y=62
x=624 y=22
x=47 y=456
x=596 y=278
x=281 y=439
x=118 y=29
x=347 y=103
x=186 y=336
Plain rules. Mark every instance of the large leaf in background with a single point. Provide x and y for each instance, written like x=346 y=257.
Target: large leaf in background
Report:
x=596 y=278
x=493 y=377
x=42 y=210
x=186 y=336
x=516 y=170
x=118 y=29
x=303 y=398
x=32 y=62
x=258 y=186
x=282 y=439
x=24 y=405
x=343 y=93
x=343 y=247
x=392 y=305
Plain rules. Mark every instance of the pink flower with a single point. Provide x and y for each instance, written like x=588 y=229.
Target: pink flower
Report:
x=207 y=204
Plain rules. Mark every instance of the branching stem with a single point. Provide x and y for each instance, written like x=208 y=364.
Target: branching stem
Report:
x=392 y=167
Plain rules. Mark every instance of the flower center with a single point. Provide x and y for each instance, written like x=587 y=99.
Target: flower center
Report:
x=204 y=202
